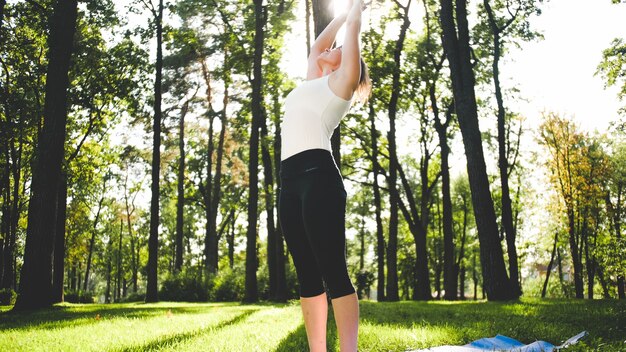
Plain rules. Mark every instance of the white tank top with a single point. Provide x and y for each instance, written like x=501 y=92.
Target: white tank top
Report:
x=312 y=112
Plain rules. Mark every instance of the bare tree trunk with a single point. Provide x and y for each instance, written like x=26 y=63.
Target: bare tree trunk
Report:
x=93 y=237
x=496 y=283
x=380 y=238
x=503 y=163
x=392 y=107
x=36 y=278
x=449 y=273
x=180 y=202
x=549 y=270
x=107 y=293
x=118 y=290
x=59 y=242
x=251 y=294
x=152 y=294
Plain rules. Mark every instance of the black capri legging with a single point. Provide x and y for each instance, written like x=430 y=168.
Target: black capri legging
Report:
x=312 y=209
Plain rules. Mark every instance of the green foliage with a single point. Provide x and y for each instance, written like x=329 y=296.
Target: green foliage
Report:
x=184 y=287
x=612 y=68
x=228 y=284
x=134 y=297
x=364 y=280
x=7 y=297
x=79 y=297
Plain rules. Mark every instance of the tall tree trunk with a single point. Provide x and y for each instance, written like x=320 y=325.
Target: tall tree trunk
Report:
x=107 y=293
x=134 y=257
x=152 y=294
x=251 y=294
x=93 y=237
x=180 y=202
x=549 y=270
x=281 y=258
x=617 y=223
x=392 y=108
x=560 y=271
x=503 y=163
x=496 y=283
x=380 y=237
x=450 y=275
x=59 y=242
x=36 y=278
x=576 y=260
x=231 y=241
x=307 y=23
x=268 y=184
x=119 y=263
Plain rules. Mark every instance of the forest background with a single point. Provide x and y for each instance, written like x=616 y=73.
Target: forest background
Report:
x=140 y=149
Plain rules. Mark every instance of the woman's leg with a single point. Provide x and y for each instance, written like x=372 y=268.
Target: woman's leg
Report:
x=315 y=313
x=312 y=294
x=346 y=311
x=324 y=219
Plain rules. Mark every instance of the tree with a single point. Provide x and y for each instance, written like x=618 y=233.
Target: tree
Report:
x=613 y=67
x=257 y=117
x=501 y=27
x=457 y=48
x=36 y=278
x=153 y=242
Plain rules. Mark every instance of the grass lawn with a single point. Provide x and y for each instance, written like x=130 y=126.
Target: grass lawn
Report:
x=384 y=326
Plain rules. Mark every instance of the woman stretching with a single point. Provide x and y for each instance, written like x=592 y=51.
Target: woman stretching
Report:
x=312 y=198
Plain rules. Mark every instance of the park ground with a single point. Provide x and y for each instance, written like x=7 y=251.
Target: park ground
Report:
x=384 y=326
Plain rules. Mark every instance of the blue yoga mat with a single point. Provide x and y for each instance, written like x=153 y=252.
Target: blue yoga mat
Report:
x=504 y=343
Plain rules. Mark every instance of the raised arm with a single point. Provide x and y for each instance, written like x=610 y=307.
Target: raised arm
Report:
x=346 y=78
x=324 y=41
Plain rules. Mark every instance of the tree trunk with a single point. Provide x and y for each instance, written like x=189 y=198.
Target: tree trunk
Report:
x=251 y=294
x=231 y=242
x=134 y=257
x=560 y=270
x=380 y=237
x=618 y=234
x=180 y=202
x=268 y=184
x=93 y=237
x=152 y=294
x=281 y=258
x=36 y=278
x=450 y=283
x=59 y=242
x=107 y=293
x=392 y=107
x=503 y=163
x=549 y=270
x=119 y=263
x=576 y=260
x=457 y=49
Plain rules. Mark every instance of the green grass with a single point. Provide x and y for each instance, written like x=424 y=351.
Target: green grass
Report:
x=384 y=326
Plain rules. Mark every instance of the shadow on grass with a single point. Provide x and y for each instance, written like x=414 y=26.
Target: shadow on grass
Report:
x=171 y=340
x=297 y=339
x=64 y=316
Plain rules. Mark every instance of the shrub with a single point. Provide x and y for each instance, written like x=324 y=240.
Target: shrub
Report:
x=134 y=297
x=7 y=297
x=184 y=287
x=79 y=297
x=229 y=285
x=364 y=280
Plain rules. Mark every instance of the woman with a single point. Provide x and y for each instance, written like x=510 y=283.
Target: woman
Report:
x=312 y=198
